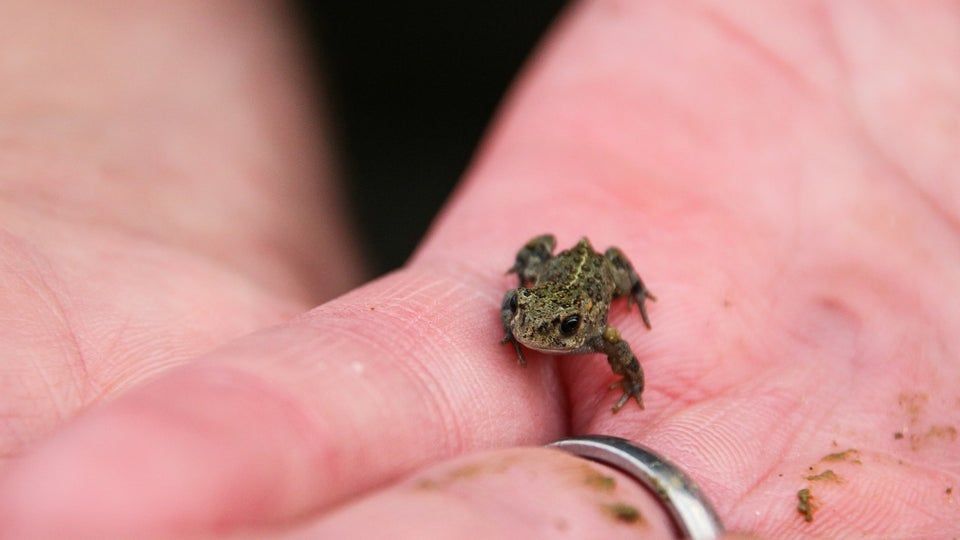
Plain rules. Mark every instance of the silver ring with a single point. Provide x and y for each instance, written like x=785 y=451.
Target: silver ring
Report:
x=691 y=511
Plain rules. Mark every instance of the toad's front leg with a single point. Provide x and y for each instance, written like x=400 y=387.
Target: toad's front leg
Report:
x=629 y=283
x=624 y=363
x=507 y=310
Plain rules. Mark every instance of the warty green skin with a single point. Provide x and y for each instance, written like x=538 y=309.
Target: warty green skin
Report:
x=581 y=283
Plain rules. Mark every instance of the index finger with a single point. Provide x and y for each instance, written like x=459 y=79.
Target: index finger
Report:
x=397 y=374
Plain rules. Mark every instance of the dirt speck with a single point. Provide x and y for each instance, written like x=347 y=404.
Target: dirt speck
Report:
x=623 y=512
x=898 y=435
x=805 y=505
x=936 y=432
x=912 y=403
x=851 y=455
x=948 y=491
x=826 y=476
x=598 y=481
x=466 y=471
x=561 y=524
x=943 y=432
x=426 y=484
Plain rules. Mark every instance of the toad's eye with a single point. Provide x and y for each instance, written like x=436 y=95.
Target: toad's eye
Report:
x=513 y=303
x=570 y=325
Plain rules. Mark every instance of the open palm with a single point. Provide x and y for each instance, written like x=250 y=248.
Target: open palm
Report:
x=781 y=175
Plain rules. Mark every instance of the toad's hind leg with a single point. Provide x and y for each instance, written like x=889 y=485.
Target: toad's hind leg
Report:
x=624 y=363
x=629 y=283
x=536 y=252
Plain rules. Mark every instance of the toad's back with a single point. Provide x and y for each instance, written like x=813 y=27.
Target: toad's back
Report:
x=580 y=270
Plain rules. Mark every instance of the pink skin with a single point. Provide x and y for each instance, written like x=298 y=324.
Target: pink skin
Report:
x=782 y=174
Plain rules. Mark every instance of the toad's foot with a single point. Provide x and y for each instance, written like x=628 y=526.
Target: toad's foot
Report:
x=622 y=362
x=516 y=346
x=632 y=388
x=640 y=294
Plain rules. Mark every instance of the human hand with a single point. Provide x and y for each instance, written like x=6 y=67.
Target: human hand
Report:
x=780 y=188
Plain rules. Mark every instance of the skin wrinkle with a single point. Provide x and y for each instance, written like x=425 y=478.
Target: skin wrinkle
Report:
x=453 y=439
x=131 y=341
x=824 y=19
x=75 y=357
x=112 y=345
x=764 y=477
x=824 y=336
x=41 y=290
x=692 y=391
x=416 y=323
x=899 y=172
x=920 y=466
x=762 y=51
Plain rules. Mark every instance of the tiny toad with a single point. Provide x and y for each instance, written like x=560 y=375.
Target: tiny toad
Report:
x=561 y=306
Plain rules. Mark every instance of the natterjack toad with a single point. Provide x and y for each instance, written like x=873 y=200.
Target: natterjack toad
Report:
x=562 y=303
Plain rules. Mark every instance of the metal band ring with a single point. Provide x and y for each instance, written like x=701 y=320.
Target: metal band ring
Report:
x=691 y=511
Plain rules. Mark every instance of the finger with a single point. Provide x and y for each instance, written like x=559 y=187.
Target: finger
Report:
x=519 y=493
x=400 y=373
x=158 y=196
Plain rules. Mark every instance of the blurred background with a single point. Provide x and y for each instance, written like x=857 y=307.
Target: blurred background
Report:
x=412 y=86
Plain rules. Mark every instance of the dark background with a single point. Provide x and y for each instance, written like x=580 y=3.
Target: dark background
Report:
x=412 y=86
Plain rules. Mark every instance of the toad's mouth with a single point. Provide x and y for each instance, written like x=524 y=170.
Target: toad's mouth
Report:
x=542 y=348
x=550 y=348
